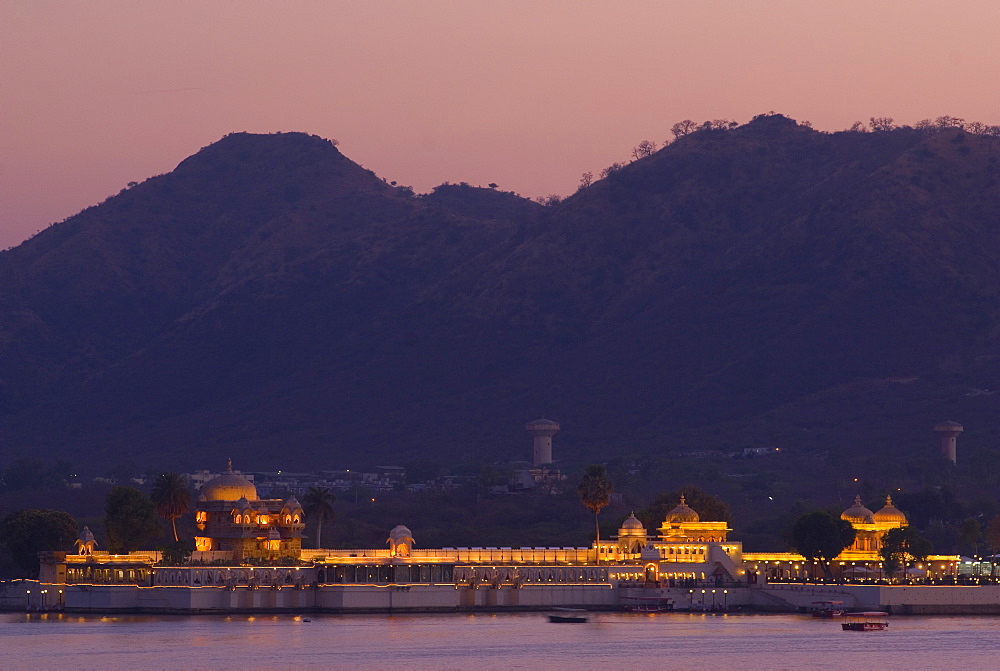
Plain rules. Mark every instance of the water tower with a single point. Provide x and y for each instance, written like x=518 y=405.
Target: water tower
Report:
x=542 y=431
x=949 y=432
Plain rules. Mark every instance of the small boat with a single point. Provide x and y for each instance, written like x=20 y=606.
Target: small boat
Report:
x=866 y=621
x=568 y=615
x=647 y=604
x=827 y=609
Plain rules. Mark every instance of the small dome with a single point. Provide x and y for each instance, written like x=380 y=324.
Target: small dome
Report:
x=293 y=504
x=86 y=536
x=229 y=487
x=683 y=513
x=400 y=532
x=858 y=513
x=632 y=528
x=632 y=523
x=889 y=513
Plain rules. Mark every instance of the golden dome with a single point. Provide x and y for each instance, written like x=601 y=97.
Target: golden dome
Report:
x=889 y=513
x=229 y=487
x=632 y=526
x=858 y=514
x=682 y=513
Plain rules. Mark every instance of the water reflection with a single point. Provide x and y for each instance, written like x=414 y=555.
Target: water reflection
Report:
x=488 y=641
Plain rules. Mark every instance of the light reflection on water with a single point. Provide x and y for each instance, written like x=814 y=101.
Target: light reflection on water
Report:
x=488 y=641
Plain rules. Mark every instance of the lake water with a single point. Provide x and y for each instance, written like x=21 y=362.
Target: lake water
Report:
x=608 y=641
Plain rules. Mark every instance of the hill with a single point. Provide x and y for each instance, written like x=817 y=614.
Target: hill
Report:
x=272 y=301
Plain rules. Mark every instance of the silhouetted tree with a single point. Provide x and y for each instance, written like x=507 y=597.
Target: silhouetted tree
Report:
x=976 y=128
x=949 y=122
x=682 y=128
x=971 y=533
x=902 y=545
x=993 y=534
x=881 y=124
x=726 y=124
x=611 y=169
x=27 y=532
x=172 y=497
x=29 y=473
x=129 y=520
x=643 y=149
x=821 y=536
x=317 y=504
x=595 y=493
x=586 y=179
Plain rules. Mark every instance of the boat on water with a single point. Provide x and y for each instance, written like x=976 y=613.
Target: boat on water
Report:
x=827 y=609
x=568 y=616
x=644 y=604
x=866 y=621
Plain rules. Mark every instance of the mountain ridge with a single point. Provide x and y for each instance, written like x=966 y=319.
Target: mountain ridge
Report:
x=270 y=297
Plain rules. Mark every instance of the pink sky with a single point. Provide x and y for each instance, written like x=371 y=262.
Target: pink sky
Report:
x=528 y=94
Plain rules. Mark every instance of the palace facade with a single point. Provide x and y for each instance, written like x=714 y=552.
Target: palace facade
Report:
x=246 y=544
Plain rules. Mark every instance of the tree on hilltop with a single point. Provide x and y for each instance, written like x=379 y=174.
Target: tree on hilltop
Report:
x=682 y=128
x=643 y=149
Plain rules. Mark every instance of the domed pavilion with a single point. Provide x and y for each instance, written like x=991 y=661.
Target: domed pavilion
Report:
x=231 y=518
x=869 y=527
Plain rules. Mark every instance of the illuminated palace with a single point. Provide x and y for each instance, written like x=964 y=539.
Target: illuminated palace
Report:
x=862 y=559
x=249 y=557
x=233 y=521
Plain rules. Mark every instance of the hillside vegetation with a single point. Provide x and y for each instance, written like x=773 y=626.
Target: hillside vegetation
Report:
x=834 y=294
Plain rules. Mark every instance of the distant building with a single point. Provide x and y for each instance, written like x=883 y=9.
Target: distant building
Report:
x=949 y=437
x=199 y=478
x=759 y=451
x=542 y=475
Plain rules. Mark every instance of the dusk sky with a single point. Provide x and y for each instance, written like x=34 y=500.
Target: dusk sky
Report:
x=528 y=94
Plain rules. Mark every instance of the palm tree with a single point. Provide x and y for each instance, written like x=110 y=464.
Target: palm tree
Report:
x=172 y=497
x=318 y=505
x=595 y=493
